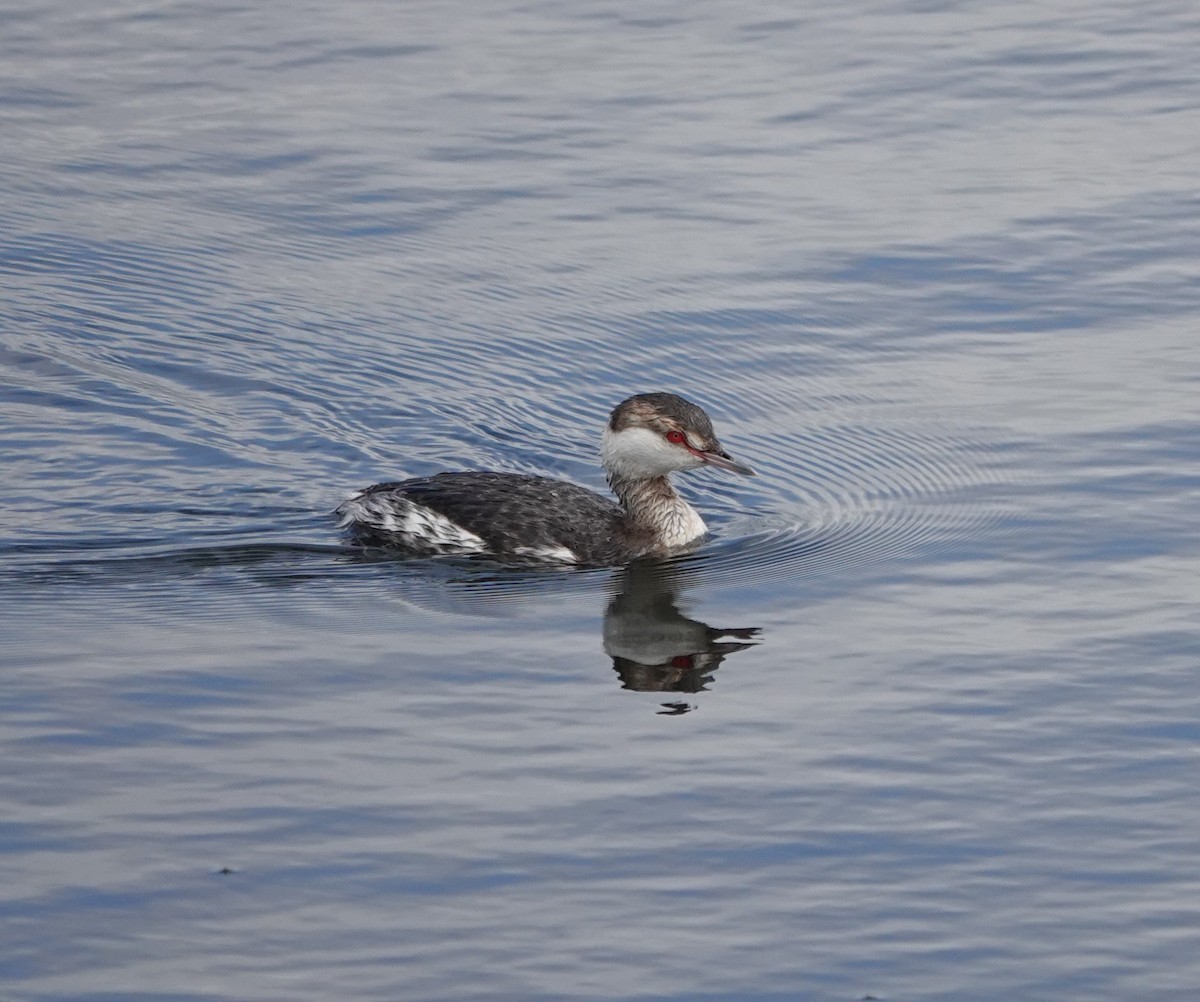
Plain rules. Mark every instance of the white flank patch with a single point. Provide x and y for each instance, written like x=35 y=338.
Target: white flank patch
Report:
x=552 y=553
x=414 y=523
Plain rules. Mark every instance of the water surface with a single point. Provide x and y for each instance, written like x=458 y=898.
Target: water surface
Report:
x=918 y=722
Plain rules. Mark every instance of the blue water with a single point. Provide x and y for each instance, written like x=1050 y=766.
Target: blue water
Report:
x=919 y=722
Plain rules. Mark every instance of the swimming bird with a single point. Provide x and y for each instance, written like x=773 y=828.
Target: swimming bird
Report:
x=519 y=517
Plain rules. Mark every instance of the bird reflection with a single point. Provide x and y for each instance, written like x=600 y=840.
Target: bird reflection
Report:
x=654 y=647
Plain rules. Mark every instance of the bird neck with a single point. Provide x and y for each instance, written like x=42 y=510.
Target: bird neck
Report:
x=652 y=505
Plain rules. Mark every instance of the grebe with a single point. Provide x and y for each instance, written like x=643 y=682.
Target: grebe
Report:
x=514 y=516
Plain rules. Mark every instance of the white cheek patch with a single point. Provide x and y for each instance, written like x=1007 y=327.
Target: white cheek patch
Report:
x=640 y=454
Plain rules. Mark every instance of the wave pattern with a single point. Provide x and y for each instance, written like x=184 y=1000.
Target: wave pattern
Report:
x=236 y=429
x=285 y=318
x=855 y=496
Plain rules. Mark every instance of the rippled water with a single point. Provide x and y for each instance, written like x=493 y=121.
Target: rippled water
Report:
x=920 y=721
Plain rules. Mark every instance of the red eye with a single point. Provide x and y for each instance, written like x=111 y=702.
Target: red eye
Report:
x=676 y=436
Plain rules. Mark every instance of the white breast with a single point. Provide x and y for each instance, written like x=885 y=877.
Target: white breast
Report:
x=681 y=524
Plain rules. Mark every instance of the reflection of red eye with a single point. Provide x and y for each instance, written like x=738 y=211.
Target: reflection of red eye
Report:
x=675 y=436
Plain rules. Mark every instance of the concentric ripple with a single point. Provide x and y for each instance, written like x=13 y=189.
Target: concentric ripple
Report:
x=854 y=495
x=826 y=500
x=193 y=453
